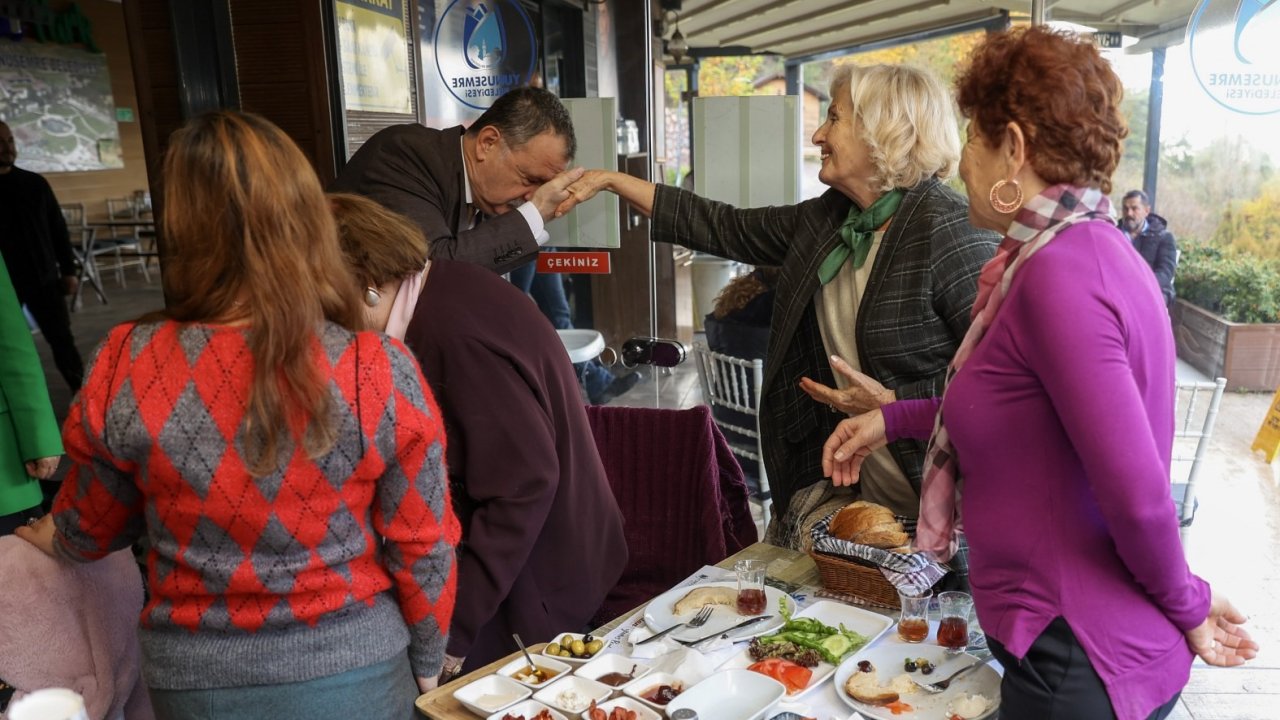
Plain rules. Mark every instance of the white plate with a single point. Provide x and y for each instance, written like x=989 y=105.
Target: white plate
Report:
x=730 y=695
x=659 y=614
x=833 y=614
x=491 y=688
x=528 y=710
x=569 y=658
x=887 y=658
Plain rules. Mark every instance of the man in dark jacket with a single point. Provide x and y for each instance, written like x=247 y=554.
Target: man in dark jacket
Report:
x=1151 y=238
x=37 y=250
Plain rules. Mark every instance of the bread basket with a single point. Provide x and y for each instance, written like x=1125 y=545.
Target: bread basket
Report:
x=849 y=577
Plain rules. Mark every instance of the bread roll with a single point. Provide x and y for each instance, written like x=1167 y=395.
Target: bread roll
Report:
x=867 y=523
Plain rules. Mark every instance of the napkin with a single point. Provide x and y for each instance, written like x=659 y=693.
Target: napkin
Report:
x=652 y=650
x=688 y=665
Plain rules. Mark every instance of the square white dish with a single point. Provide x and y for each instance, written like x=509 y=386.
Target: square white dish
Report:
x=528 y=710
x=587 y=689
x=613 y=663
x=637 y=687
x=833 y=614
x=642 y=711
x=572 y=660
x=543 y=661
x=491 y=694
x=730 y=695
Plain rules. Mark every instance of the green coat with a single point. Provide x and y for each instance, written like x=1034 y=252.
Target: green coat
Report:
x=28 y=428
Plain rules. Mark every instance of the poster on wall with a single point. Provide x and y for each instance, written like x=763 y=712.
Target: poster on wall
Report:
x=57 y=101
x=374 y=56
x=478 y=50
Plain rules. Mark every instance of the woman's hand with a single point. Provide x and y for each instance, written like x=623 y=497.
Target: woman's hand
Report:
x=43 y=468
x=585 y=188
x=40 y=534
x=853 y=440
x=1220 y=640
x=426 y=685
x=862 y=395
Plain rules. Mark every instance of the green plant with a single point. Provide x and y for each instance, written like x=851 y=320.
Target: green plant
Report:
x=1239 y=286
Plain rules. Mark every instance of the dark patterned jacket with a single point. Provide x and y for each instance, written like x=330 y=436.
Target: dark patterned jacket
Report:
x=912 y=316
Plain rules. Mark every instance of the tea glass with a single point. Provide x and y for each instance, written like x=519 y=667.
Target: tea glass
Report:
x=953 y=627
x=913 y=624
x=751 y=598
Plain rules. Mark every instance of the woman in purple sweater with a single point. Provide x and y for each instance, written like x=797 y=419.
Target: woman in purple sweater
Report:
x=1058 y=413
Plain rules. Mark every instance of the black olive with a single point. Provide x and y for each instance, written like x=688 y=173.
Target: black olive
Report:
x=587 y=638
x=926 y=669
x=864 y=666
x=909 y=665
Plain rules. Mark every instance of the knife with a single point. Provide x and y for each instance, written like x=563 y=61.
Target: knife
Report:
x=726 y=631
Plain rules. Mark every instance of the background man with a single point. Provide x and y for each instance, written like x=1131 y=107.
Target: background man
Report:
x=37 y=251
x=448 y=181
x=1151 y=237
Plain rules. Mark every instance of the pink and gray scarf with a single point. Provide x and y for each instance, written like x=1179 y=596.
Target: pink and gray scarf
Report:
x=1036 y=224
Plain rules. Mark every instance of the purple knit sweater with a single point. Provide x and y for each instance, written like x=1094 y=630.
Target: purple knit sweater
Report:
x=1062 y=420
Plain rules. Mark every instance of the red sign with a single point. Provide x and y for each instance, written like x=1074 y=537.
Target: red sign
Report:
x=574 y=262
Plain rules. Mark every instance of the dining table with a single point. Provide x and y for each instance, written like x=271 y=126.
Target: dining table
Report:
x=784 y=567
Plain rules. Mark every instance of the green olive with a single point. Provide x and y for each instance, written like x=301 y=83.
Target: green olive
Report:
x=594 y=647
x=578 y=648
x=566 y=641
x=553 y=649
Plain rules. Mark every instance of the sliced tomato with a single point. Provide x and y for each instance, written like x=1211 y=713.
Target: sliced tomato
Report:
x=898 y=707
x=793 y=676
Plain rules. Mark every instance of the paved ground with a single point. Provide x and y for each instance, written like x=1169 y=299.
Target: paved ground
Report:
x=1234 y=542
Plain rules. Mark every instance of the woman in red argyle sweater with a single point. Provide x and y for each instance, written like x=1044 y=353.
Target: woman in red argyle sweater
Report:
x=287 y=472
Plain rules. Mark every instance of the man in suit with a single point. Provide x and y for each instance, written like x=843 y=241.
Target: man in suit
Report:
x=37 y=250
x=460 y=187
x=1150 y=236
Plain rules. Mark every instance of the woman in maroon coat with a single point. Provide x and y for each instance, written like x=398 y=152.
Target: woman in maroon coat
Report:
x=542 y=534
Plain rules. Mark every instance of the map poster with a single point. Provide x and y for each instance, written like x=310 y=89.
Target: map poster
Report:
x=57 y=101
x=374 y=55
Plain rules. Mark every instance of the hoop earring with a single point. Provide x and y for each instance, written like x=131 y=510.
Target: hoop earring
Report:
x=372 y=297
x=1006 y=207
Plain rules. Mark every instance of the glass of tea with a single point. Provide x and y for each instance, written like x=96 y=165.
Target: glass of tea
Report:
x=953 y=627
x=913 y=623
x=751 y=599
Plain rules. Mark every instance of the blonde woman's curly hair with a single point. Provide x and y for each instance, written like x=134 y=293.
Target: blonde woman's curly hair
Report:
x=908 y=120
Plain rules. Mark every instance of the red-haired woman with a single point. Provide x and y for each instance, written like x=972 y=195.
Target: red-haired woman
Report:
x=287 y=472
x=1058 y=411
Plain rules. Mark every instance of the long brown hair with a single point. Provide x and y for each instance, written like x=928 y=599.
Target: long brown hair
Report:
x=251 y=239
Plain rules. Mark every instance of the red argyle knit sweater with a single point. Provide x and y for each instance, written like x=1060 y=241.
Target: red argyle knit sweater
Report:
x=327 y=565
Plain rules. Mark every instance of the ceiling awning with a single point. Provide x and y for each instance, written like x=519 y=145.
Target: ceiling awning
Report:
x=808 y=29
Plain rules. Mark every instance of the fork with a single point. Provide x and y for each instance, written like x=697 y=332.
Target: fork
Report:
x=696 y=622
x=943 y=684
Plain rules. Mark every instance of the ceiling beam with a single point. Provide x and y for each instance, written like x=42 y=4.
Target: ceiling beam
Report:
x=703 y=9
x=1118 y=10
x=897 y=12
x=745 y=14
x=792 y=21
x=993 y=19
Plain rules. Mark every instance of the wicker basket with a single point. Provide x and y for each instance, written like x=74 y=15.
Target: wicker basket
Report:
x=863 y=581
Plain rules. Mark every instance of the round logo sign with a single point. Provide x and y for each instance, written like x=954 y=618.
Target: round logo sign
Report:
x=1234 y=53
x=483 y=49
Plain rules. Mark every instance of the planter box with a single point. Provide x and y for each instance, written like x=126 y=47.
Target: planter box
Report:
x=1246 y=354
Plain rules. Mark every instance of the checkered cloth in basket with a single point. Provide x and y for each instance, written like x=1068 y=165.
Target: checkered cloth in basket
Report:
x=902 y=570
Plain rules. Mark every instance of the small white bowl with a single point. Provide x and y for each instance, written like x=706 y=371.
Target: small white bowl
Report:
x=542 y=661
x=570 y=659
x=737 y=694
x=501 y=693
x=641 y=710
x=637 y=687
x=613 y=663
x=528 y=710
x=588 y=689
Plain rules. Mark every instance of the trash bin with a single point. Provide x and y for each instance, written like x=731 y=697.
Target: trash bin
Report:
x=709 y=274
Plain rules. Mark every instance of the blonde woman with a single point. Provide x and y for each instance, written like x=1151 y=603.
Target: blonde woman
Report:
x=880 y=271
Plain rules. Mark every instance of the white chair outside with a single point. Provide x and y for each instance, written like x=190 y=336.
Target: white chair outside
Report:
x=1196 y=412
x=123 y=241
x=734 y=383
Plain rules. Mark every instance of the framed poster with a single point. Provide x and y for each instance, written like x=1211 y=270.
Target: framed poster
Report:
x=374 y=55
